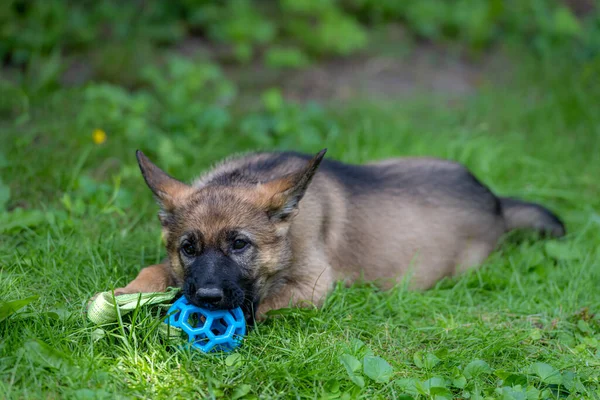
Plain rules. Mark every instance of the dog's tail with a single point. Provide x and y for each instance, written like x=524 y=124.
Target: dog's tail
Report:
x=520 y=214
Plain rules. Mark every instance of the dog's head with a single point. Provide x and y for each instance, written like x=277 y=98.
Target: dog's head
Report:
x=225 y=242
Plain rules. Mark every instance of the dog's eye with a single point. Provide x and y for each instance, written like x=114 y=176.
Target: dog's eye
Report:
x=188 y=249
x=239 y=244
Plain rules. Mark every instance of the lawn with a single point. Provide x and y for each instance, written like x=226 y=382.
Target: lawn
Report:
x=79 y=219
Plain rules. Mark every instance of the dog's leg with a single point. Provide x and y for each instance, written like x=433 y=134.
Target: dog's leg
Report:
x=155 y=278
x=301 y=293
x=287 y=297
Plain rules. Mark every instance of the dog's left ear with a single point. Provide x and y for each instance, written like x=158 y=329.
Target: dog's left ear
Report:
x=281 y=196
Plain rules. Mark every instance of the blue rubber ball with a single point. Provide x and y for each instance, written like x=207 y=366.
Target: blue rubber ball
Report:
x=208 y=330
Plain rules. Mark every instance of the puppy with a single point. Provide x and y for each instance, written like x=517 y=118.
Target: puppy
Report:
x=275 y=229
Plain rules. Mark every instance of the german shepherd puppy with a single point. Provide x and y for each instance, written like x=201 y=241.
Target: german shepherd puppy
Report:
x=270 y=230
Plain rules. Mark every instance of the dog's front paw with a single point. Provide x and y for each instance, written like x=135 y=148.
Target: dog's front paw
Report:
x=124 y=290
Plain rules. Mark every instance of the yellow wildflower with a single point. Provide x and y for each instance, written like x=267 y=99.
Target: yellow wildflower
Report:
x=99 y=136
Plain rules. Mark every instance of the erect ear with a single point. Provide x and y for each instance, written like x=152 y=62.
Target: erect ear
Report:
x=282 y=195
x=167 y=190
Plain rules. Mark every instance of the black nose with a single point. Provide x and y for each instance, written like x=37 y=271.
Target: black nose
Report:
x=210 y=296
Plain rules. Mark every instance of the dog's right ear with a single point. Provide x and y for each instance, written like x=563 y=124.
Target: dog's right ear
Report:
x=281 y=196
x=167 y=190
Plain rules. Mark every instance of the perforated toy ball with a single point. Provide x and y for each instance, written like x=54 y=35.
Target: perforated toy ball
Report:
x=208 y=330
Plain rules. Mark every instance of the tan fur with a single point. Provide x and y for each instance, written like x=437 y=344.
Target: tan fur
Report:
x=385 y=236
x=155 y=278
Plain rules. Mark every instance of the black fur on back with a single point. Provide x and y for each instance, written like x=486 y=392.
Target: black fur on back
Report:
x=432 y=182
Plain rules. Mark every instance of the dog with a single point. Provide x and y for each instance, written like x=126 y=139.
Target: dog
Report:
x=268 y=230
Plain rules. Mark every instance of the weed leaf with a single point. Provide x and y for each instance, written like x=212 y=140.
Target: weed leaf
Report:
x=408 y=385
x=547 y=373
x=91 y=394
x=233 y=360
x=440 y=393
x=98 y=334
x=240 y=391
x=430 y=361
x=358 y=380
x=435 y=382
x=476 y=368
x=19 y=219
x=459 y=382
x=515 y=380
x=584 y=327
x=8 y=308
x=352 y=366
x=44 y=355
x=418 y=359
x=359 y=348
x=377 y=369
x=351 y=363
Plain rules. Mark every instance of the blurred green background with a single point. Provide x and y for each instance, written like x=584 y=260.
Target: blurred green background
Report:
x=44 y=43
x=281 y=33
x=185 y=70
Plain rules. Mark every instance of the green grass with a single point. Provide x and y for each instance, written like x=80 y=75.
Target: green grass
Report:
x=82 y=221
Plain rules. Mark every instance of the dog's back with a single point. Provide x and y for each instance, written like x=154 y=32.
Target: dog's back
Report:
x=385 y=219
